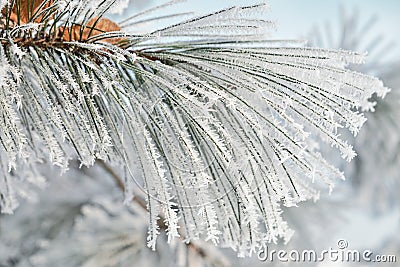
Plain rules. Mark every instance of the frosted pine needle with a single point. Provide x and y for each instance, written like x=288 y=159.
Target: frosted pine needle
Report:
x=216 y=123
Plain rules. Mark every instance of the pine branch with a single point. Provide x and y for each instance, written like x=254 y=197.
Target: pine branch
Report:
x=218 y=124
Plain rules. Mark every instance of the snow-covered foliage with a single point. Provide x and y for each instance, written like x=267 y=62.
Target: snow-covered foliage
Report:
x=215 y=123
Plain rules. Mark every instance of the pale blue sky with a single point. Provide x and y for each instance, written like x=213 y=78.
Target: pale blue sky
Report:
x=295 y=17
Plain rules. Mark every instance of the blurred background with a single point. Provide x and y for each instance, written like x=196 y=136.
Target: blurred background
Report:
x=77 y=221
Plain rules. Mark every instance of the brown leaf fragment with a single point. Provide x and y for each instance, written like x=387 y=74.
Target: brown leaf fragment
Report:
x=25 y=9
x=94 y=27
